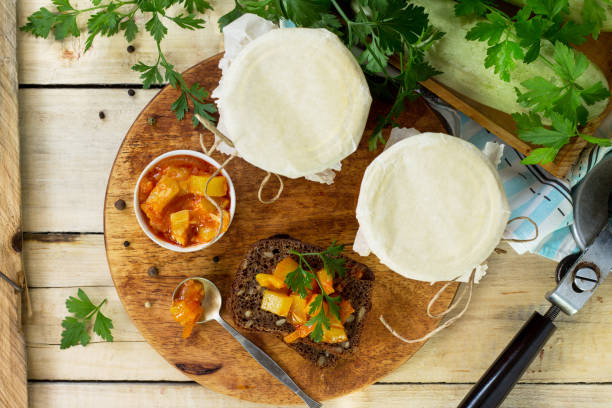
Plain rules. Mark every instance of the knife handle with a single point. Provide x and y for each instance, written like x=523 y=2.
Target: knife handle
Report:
x=500 y=378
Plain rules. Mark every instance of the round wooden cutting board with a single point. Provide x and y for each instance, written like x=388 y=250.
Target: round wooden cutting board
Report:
x=313 y=212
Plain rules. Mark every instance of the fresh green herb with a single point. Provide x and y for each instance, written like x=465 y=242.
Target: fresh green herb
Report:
x=560 y=102
x=381 y=28
x=75 y=327
x=110 y=18
x=300 y=281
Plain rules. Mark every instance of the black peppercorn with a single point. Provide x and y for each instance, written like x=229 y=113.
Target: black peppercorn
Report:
x=126 y=243
x=120 y=204
x=215 y=259
x=131 y=92
x=153 y=271
x=101 y=115
x=131 y=49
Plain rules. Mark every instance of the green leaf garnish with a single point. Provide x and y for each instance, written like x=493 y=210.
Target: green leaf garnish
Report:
x=75 y=327
x=300 y=281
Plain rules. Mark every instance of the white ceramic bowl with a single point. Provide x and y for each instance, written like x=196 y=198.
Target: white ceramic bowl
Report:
x=141 y=217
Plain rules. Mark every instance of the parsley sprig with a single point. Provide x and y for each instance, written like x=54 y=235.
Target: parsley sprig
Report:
x=562 y=101
x=381 y=28
x=75 y=327
x=111 y=17
x=300 y=281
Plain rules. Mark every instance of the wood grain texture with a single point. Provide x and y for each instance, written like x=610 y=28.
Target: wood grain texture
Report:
x=313 y=212
x=65 y=168
x=502 y=125
x=47 y=61
x=13 y=391
x=94 y=395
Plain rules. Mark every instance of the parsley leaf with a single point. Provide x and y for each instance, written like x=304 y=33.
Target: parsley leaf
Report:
x=74 y=333
x=40 y=23
x=593 y=14
x=594 y=93
x=130 y=29
x=157 y=29
x=80 y=307
x=502 y=57
x=319 y=319
x=541 y=155
x=300 y=280
x=597 y=140
x=305 y=12
x=199 y=5
x=471 y=8
x=75 y=327
x=102 y=327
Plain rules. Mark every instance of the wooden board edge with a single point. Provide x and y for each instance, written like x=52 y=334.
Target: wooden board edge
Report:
x=13 y=387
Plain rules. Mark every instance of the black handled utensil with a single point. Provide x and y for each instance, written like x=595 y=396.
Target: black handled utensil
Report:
x=578 y=276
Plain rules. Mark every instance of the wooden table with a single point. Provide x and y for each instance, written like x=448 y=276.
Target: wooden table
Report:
x=67 y=152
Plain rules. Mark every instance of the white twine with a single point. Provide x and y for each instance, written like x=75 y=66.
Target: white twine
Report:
x=221 y=137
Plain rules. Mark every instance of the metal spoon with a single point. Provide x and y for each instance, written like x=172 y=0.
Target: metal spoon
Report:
x=212 y=305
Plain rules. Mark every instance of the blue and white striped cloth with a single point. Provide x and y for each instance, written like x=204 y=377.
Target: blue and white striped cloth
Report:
x=533 y=192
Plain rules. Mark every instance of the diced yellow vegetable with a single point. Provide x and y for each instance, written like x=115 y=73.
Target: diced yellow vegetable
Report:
x=277 y=303
x=216 y=188
x=334 y=334
x=179 y=224
x=284 y=267
x=206 y=234
x=298 y=314
x=177 y=173
x=326 y=280
x=270 y=281
x=165 y=190
x=204 y=206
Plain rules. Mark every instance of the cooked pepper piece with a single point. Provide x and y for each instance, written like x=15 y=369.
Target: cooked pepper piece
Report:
x=301 y=331
x=187 y=305
x=276 y=302
x=179 y=226
x=346 y=309
x=284 y=267
x=164 y=191
x=270 y=281
x=298 y=314
x=326 y=281
x=216 y=188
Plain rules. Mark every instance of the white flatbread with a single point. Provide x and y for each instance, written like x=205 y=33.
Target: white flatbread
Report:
x=295 y=101
x=432 y=207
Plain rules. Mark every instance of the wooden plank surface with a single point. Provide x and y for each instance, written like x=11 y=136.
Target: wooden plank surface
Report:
x=13 y=392
x=67 y=153
x=393 y=396
x=459 y=354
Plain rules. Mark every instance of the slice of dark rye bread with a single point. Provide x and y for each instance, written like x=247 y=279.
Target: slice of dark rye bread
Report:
x=247 y=294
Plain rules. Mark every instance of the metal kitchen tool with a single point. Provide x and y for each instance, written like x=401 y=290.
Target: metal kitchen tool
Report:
x=212 y=306
x=578 y=276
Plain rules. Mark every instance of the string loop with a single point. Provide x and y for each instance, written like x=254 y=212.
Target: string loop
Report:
x=458 y=300
x=431 y=302
x=221 y=137
x=532 y=222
